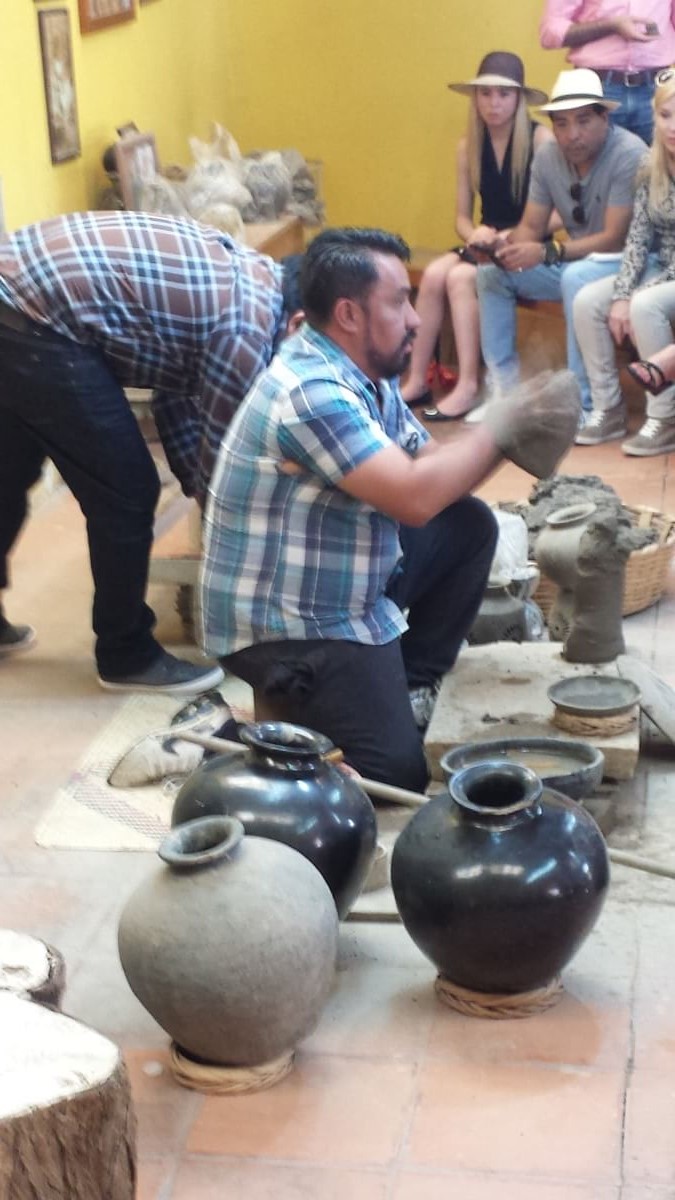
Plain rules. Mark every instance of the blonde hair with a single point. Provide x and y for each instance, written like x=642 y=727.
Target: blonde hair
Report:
x=520 y=149
x=657 y=168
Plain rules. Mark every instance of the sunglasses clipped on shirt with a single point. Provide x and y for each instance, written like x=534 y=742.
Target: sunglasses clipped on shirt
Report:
x=578 y=213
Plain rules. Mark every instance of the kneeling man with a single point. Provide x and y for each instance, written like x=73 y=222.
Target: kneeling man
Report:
x=344 y=559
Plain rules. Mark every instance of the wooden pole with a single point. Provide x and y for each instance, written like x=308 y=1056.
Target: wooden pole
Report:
x=383 y=791
x=387 y=791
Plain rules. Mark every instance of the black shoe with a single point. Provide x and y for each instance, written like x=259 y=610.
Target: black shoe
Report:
x=422 y=400
x=166 y=674
x=15 y=638
x=435 y=414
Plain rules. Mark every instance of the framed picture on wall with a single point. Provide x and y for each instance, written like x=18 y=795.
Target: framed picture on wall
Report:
x=99 y=14
x=57 y=69
x=137 y=164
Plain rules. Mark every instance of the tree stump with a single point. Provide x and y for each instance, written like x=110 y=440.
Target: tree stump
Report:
x=67 y=1126
x=31 y=968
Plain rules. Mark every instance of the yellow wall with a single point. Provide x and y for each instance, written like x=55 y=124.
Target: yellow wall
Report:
x=360 y=84
x=165 y=71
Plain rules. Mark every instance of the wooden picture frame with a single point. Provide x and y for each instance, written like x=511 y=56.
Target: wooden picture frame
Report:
x=137 y=162
x=59 y=81
x=99 y=14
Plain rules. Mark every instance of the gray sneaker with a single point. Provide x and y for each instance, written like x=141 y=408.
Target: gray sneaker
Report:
x=657 y=436
x=166 y=674
x=158 y=755
x=602 y=425
x=15 y=638
x=422 y=701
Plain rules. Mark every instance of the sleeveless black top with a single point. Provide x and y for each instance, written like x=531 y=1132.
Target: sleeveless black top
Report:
x=499 y=208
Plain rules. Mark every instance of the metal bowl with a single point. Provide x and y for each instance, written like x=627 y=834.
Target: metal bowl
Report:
x=573 y=768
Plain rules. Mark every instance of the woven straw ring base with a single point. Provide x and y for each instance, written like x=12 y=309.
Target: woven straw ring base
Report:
x=216 y=1080
x=498 y=1007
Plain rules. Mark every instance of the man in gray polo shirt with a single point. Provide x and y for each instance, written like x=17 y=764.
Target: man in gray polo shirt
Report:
x=588 y=175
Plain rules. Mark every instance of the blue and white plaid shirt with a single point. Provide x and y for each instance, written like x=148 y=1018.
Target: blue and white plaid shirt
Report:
x=292 y=556
x=173 y=305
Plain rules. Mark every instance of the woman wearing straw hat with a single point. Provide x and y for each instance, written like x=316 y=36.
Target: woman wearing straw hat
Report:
x=493 y=163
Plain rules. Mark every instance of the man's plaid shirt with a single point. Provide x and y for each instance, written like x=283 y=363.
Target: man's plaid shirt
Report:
x=292 y=556
x=172 y=305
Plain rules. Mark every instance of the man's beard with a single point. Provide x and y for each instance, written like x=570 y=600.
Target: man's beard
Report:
x=391 y=365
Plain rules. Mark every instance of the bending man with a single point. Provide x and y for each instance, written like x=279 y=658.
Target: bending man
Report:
x=93 y=302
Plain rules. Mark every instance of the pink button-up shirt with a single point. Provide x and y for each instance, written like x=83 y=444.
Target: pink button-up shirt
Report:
x=613 y=52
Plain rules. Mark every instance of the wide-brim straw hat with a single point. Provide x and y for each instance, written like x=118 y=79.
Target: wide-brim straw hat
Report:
x=501 y=69
x=576 y=89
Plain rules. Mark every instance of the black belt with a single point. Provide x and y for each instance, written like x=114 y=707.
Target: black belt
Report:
x=11 y=318
x=629 y=78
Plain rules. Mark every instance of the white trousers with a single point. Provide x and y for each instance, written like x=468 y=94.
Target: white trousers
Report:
x=652 y=314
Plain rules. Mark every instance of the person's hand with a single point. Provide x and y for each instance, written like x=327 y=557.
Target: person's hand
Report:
x=350 y=771
x=286 y=466
x=482 y=235
x=619 y=321
x=633 y=31
x=535 y=423
x=519 y=256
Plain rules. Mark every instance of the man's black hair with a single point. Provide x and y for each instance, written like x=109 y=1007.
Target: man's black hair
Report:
x=596 y=108
x=339 y=263
x=290 y=283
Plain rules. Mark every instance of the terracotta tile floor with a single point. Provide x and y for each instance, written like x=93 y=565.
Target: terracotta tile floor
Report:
x=392 y=1097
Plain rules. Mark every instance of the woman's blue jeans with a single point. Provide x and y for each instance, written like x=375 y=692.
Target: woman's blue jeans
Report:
x=498 y=293
x=60 y=400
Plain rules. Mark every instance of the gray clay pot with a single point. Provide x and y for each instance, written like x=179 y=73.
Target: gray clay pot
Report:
x=500 y=618
x=230 y=945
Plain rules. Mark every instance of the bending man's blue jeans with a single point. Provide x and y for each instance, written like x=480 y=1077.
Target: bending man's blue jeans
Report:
x=498 y=292
x=59 y=400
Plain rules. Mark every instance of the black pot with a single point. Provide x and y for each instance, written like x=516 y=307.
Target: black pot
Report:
x=499 y=882
x=284 y=790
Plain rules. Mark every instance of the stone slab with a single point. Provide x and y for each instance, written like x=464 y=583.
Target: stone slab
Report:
x=499 y=690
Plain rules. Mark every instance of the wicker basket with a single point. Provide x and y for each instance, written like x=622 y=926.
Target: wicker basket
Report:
x=646 y=569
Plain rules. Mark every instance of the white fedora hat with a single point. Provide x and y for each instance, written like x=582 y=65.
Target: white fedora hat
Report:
x=576 y=89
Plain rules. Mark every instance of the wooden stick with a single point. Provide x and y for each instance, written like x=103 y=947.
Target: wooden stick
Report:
x=375 y=917
x=384 y=791
x=650 y=865
x=387 y=791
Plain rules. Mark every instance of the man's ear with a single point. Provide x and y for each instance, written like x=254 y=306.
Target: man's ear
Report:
x=348 y=315
x=295 y=321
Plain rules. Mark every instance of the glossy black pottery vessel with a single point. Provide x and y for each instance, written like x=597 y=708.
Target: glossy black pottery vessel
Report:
x=500 y=881
x=283 y=789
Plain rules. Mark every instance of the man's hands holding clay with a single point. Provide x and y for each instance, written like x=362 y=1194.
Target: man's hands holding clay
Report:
x=535 y=424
